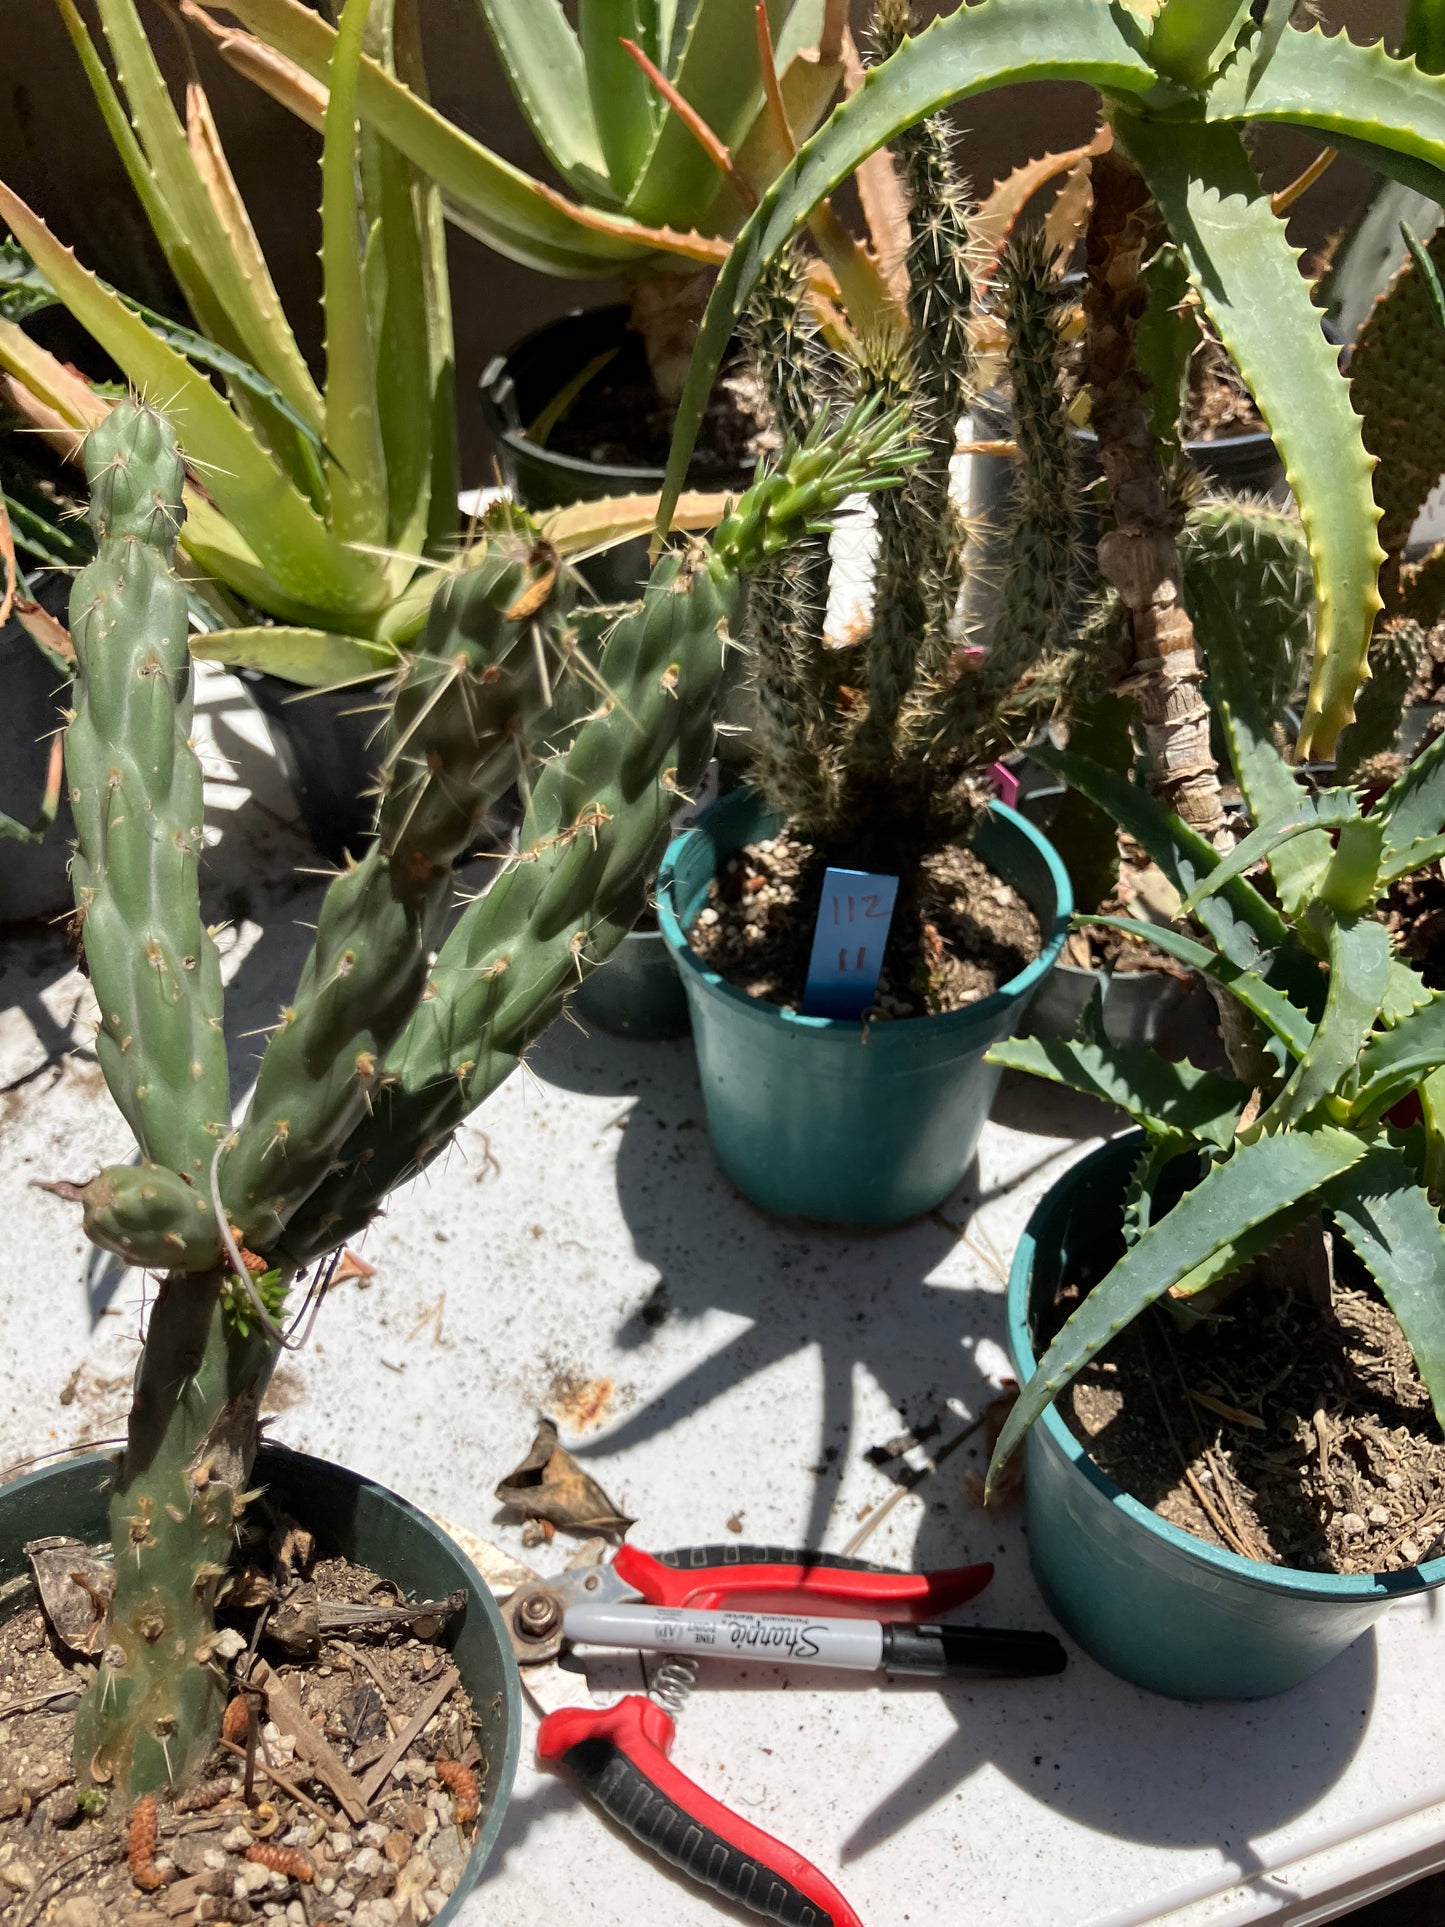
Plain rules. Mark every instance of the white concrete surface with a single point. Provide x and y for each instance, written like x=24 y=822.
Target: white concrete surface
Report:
x=580 y=1254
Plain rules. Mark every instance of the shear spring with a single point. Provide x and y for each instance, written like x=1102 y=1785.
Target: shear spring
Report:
x=671 y=1684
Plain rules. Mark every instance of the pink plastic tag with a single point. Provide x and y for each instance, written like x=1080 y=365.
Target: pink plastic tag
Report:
x=1005 y=784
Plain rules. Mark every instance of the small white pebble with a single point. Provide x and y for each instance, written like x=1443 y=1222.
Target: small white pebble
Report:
x=296 y=1913
x=708 y=916
x=1351 y=1522
x=1410 y=1553
x=345 y=1899
x=340 y=1844
x=1394 y=1481
x=250 y=1879
x=417 y=1771
x=237 y=1840
x=213 y=1859
x=1378 y=1515
x=374 y=1834
x=365 y=1864
x=435 y=1900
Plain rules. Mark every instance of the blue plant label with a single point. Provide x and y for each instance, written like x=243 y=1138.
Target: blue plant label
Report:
x=848 y=943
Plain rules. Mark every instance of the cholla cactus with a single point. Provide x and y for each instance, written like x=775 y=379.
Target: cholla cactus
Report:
x=389 y=1042
x=873 y=743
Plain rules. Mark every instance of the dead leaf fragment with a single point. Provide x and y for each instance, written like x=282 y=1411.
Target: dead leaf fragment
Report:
x=75 y=1585
x=551 y=1486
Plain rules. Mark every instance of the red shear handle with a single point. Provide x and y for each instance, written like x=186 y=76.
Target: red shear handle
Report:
x=619 y=1757
x=771 y=1579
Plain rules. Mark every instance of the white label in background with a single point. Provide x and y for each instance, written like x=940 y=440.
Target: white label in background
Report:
x=848 y=943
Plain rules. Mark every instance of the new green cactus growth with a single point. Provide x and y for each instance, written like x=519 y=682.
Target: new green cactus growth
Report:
x=1349 y=1031
x=383 y=1051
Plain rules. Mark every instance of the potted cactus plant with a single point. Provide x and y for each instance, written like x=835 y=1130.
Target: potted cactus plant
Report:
x=397 y=1028
x=866 y=757
x=1249 y=1197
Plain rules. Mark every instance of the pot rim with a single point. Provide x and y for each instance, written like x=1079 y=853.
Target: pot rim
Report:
x=888 y=1036
x=484 y=1843
x=1251 y=438
x=1040 y=1228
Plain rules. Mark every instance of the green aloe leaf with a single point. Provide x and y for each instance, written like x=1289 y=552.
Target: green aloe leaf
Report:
x=1248 y=278
x=228 y=287
x=311 y=658
x=537 y=47
x=625 y=107
x=1238 y=918
x=1413 y=808
x=1394 y=1061
x=1273 y=1009
x=1171 y=1099
x=1414 y=856
x=1155 y=1158
x=966 y=52
x=1191 y=36
x=1356 y=97
x=1359 y=975
x=715 y=69
x=1396 y=1232
x=1331 y=810
x=358 y=475
x=487 y=196
x=1237 y=1204
x=1405 y=992
x=303 y=557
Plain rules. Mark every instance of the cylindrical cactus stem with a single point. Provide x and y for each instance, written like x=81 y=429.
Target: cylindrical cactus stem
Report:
x=787 y=600
x=1396 y=655
x=1041 y=557
x=456 y=740
x=153 y=1711
x=135 y=793
x=598 y=822
x=1139 y=555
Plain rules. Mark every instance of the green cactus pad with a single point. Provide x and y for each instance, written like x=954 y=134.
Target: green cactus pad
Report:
x=152 y=1218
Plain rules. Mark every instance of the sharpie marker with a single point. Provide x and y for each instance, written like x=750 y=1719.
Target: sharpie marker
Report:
x=792 y=1639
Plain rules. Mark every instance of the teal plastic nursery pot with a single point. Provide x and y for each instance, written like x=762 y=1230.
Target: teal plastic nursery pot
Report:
x=352 y=1518
x=847 y=1123
x=1149 y=1601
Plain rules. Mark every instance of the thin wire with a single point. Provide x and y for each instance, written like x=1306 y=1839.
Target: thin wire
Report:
x=233 y=1252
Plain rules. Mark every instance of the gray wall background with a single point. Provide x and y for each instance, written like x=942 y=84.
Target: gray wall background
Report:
x=55 y=153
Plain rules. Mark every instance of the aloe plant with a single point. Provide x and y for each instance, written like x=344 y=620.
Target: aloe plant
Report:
x=1176 y=89
x=665 y=122
x=398 y=1028
x=1347 y=1034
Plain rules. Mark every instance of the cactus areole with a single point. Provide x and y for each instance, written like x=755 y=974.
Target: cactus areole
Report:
x=397 y=1028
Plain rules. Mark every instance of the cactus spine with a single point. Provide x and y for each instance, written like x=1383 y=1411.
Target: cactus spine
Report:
x=439 y=1038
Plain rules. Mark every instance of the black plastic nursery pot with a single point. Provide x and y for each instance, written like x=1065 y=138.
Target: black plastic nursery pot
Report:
x=328 y=743
x=519 y=386
x=34 y=877
x=1149 y=1601
x=1137 y=1003
x=352 y=1518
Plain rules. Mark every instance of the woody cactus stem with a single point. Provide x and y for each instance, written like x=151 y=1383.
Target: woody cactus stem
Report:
x=1139 y=555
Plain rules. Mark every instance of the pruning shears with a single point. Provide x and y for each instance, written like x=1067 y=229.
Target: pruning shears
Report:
x=619 y=1754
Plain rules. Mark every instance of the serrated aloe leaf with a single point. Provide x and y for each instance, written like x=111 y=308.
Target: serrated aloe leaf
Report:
x=1207 y=1227
x=535 y=43
x=1239 y=919
x=1415 y=856
x=487 y=196
x=1248 y=277
x=236 y=300
x=1356 y=97
x=1175 y=1099
x=625 y=108
x=357 y=476
x=1396 y=1233
x=964 y=53
x=1331 y=810
x=715 y=69
x=1359 y=975
x=1405 y=992
x=1190 y=36
x=1273 y=1009
x=1414 y=806
x=1149 y=1166
x=306 y=561
x=1432 y=1112
x=1394 y=1061
x=310 y=658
